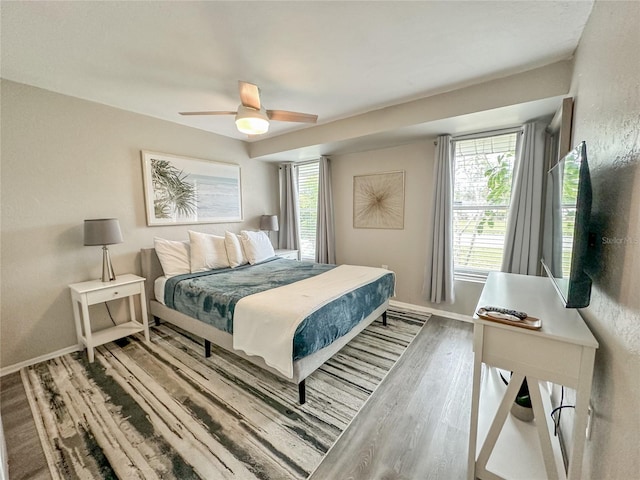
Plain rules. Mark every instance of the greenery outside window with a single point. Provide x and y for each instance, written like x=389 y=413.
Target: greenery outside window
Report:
x=483 y=172
x=308 y=181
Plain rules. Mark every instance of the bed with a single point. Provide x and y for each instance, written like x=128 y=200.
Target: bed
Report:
x=345 y=315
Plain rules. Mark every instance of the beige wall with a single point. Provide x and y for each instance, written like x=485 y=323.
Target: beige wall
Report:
x=65 y=160
x=404 y=251
x=606 y=87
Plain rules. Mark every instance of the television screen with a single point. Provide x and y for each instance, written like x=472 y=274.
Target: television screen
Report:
x=566 y=230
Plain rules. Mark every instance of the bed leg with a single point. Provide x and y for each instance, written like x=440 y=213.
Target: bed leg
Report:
x=157 y=320
x=207 y=348
x=302 y=393
x=384 y=318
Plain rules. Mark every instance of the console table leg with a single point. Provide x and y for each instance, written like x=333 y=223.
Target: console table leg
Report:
x=583 y=393
x=499 y=419
x=478 y=334
x=543 y=428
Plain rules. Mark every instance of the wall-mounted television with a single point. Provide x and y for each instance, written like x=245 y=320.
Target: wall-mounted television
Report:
x=566 y=235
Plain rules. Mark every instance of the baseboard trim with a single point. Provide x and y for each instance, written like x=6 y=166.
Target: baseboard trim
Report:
x=433 y=311
x=43 y=358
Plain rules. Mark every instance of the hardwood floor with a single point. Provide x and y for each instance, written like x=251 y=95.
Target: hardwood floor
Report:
x=26 y=458
x=416 y=424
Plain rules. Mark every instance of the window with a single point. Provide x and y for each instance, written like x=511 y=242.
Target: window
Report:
x=308 y=174
x=483 y=170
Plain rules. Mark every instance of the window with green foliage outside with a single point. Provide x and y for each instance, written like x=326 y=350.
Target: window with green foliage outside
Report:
x=570 y=179
x=483 y=171
x=308 y=174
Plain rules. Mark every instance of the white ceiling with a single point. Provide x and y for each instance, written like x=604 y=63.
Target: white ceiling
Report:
x=334 y=59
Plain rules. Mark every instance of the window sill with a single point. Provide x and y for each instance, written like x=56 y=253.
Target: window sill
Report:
x=470 y=277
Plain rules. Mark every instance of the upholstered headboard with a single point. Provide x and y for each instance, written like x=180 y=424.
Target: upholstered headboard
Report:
x=151 y=269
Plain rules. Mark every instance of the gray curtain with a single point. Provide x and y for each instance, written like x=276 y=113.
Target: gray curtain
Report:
x=438 y=278
x=289 y=233
x=325 y=236
x=522 y=241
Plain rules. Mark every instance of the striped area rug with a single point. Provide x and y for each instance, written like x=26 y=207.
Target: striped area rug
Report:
x=164 y=411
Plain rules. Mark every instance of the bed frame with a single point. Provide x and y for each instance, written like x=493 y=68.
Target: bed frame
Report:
x=302 y=368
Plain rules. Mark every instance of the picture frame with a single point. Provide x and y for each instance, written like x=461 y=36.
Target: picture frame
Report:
x=182 y=190
x=378 y=200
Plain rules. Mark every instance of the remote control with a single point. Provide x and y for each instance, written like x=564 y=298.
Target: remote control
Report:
x=503 y=316
x=515 y=313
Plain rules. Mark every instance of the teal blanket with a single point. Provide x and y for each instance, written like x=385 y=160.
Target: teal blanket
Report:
x=212 y=296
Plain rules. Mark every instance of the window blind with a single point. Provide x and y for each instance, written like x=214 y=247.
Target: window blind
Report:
x=308 y=174
x=483 y=171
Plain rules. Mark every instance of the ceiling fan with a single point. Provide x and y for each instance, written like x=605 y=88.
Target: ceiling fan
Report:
x=251 y=116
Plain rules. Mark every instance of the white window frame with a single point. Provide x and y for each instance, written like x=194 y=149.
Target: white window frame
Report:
x=312 y=213
x=465 y=273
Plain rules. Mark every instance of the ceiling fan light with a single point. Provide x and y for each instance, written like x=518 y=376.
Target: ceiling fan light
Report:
x=252 y=126
x=251 y=121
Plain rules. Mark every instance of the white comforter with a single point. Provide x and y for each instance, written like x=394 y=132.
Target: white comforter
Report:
x=265 y=323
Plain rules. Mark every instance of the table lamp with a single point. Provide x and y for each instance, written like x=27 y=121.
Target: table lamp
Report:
x=103 y=231
x=269 y=223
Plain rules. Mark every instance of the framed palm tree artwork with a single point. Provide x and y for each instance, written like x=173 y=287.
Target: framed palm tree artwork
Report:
x=181 y=190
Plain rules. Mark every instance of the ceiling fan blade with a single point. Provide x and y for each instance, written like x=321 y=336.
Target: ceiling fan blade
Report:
x=249 y=95
x=208 y=113
x=284 y=116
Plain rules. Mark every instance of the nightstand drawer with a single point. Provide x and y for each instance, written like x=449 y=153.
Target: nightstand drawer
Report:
x=112 y=293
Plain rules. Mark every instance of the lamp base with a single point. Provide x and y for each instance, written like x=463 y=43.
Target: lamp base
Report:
x=107 y=269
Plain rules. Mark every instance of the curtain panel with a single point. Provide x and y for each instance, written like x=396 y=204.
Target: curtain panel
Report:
x=522 y=241
x=289 y=233
x=438 y=278
x=325 y=232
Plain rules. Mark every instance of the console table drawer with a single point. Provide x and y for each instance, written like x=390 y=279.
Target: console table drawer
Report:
x=112 y=293
x=541 y=357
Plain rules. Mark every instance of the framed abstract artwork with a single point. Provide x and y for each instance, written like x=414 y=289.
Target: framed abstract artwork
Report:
x=378 y=200
x=181 y=190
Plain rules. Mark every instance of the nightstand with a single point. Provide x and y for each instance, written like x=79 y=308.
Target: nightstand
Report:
x=290 y=254
x=95 y=291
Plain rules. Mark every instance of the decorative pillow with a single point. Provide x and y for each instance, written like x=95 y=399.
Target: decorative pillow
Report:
x=174 y=256
x=207 y=252
x=235 y=252
x=257 y=246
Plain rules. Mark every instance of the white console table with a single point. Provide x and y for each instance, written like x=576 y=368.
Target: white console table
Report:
x=561 y=352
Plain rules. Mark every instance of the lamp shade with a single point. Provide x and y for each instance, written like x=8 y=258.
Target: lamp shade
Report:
x=269 y=222
x=102 y=231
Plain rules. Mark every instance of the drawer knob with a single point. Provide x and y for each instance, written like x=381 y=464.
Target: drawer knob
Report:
x=115 y=293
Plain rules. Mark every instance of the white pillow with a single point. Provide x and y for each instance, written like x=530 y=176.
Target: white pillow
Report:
x=257 y=246
x=174 y=256
x=235 y=252
x=207 y=252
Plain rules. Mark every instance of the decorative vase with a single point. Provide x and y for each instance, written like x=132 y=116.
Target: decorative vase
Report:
x=521 y=408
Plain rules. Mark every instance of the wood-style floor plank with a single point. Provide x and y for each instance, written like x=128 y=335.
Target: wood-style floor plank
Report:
x=24 y=451
x=416 y=424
